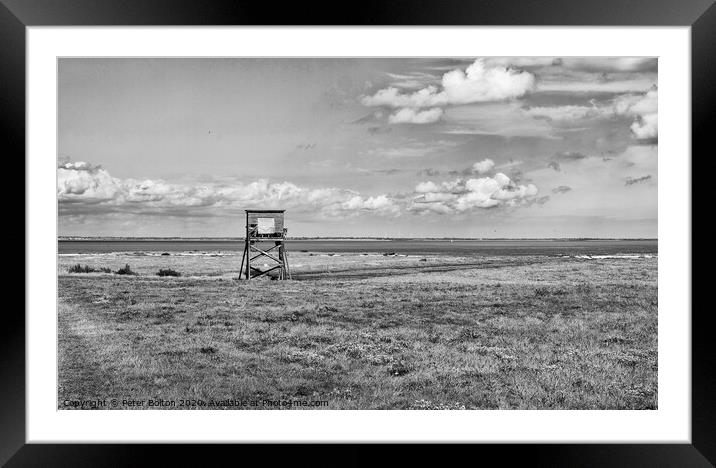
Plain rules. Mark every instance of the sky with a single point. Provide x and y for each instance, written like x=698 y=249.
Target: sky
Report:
x=522 y=147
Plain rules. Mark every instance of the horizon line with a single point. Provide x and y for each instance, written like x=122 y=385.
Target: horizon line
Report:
x=344 y=237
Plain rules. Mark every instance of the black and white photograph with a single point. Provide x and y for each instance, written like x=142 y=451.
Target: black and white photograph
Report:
x=357 y=233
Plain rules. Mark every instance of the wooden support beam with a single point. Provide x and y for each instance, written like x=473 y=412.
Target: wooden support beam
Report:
x=264 y=227
x=261 y=273
x=262 y=254
x=265 y=252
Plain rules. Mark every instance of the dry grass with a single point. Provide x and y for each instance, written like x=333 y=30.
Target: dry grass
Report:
x=505 y=333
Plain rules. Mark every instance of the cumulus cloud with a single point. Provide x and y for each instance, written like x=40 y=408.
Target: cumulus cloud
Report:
x=463 y=195
x=81 y=180
x=480 y=82
x=646 y=127
x=84 y=188
x=414 y=116
x=379 y=204
x=427 y=187
x=483 y=166
x=637 y=104
x=554 y=165
x=644 y=109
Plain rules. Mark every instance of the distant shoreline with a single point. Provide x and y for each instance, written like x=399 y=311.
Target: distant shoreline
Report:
x=384 y=246
x=362 y=239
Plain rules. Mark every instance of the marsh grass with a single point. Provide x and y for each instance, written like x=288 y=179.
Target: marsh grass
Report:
x=553 y=334
x=77 y=268
x=126 y=270
x=168 y=272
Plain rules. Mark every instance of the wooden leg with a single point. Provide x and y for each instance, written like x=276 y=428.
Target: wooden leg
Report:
x=248 y=261
x=243 y=257
x=285 y=264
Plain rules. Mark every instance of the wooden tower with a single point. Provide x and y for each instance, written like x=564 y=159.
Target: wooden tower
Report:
x=264 y=227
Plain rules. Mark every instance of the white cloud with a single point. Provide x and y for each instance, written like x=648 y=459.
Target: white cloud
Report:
x=563 y=113
x=637 y=104
x=426 y=187
x=379 y=204
x=83 y=188
x=647 y=126
x=437 y=197
x=644 y=108
x=480 y=82
x=426 y=208
x=483 y=166
x=81 y=180
x=408 y=115
x=413 y=80
x=464 y=195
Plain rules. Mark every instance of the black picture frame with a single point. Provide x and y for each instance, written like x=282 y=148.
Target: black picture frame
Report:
x=16 y=15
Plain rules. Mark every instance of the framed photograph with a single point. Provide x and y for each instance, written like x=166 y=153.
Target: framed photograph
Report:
x=448 y=222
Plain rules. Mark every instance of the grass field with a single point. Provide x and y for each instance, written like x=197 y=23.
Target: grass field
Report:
x=362 y=332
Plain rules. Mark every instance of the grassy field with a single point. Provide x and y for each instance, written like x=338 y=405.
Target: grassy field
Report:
x=362 y=332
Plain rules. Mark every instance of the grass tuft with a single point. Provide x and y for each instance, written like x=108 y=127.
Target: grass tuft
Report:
x=399 y=368
x=168 y=272
x=87 y=269
x=80 y=269
x=125 y=271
